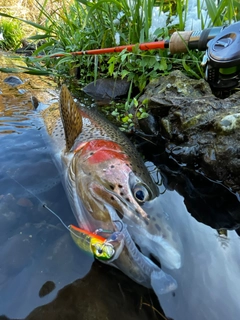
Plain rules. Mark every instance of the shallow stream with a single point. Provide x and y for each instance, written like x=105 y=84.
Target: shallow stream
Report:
x=44 y=275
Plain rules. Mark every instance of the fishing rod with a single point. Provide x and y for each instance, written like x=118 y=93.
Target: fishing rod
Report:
x=221 y=60
x=178 y=43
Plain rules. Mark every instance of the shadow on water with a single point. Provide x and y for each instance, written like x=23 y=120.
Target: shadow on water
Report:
x=44 y=276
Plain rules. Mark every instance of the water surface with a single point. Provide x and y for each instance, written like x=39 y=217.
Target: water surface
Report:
x=43 y=274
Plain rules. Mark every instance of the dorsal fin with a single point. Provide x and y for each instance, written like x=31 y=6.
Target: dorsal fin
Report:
x=71 y=117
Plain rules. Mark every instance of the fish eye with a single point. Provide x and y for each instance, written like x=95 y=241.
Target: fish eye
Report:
x=140 y=193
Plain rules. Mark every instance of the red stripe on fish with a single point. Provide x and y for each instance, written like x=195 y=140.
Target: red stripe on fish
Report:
x=101 y=150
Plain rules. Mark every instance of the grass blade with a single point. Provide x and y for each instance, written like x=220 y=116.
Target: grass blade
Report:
x=31 y=23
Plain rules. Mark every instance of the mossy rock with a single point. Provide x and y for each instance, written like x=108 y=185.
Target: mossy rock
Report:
x=200 y=129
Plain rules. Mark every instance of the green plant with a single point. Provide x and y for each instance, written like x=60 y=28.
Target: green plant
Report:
x=82 y=25
x=12 y=34
x=127 y=114
x=138 y=66
x=222 y=12
x=131 y=19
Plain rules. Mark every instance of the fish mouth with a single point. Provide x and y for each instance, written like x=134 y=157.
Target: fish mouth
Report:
x=141 y=229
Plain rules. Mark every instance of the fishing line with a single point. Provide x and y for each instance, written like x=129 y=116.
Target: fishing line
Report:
x=29 y=191
x=42 y=203
x=56 y=215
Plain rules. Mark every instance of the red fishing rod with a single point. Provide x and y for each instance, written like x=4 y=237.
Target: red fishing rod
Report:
x=179 y=42
x=143 y=46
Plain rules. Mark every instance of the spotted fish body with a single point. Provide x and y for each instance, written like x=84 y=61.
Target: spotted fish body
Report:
x=105 y=179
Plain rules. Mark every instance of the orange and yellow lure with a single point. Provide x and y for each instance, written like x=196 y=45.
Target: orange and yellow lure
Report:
x=102 y=248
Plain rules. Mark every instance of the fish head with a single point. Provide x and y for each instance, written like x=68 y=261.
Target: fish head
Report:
x=111 y=178
x=106 y=176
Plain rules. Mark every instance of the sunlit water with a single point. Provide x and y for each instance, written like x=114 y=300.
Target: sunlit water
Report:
x=208 y=282
x=31 y=239
x=38 y=257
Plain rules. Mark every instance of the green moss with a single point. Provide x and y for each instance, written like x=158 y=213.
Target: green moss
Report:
x=191 y=122
x=167 y=127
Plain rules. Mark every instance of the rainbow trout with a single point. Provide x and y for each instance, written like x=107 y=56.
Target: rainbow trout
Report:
x=106 y=181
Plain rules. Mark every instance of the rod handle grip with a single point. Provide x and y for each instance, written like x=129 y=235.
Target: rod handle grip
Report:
x=179 y=41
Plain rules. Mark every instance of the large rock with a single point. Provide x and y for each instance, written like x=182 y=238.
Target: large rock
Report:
x=200 y=130
x=107 y=89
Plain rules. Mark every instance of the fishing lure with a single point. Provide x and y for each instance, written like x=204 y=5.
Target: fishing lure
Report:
x=104 y=249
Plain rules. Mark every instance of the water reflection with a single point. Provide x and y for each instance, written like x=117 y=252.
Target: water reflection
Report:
x=208 y=282
x=209 y=279
x=34 y=247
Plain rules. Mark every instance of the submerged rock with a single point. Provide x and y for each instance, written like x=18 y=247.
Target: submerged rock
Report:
x=13 y=81
x=109 y=299
x=199 y=130
x=107 y=89
x=46 y=288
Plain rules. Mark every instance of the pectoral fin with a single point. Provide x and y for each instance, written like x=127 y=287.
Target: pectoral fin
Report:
x=71 y=117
